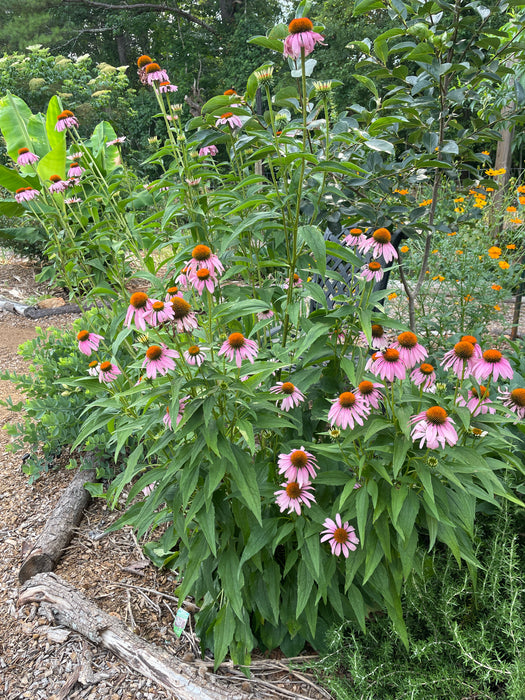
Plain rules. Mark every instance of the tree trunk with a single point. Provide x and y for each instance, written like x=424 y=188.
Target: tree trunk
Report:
x=122 y=49
x=59 y=528
x=73 y=610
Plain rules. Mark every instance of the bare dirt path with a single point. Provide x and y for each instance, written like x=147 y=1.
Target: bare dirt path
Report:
x=41 y=661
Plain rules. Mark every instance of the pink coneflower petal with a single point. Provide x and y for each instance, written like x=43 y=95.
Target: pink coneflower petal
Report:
x=139 y=307
x=239 y=348
x=107 y=372
x=372 y=272
x=160 y=312
x=208 y=151
x=388 y=365
x=370 y=393
x=301 y=38
x=341 y=536
x=492 y=364
x=88 y=342
x=435 y=427
x=184 y=318
x=66 y=120
x=25 y=157
x=159 y=360
x=478 y=402
x=202 y=257
x=410 y=351
x=380 y=246
x=348 y=409
x=25 y=194
x=195 y=355
x=425 y=377
x=229 y=118
x=202 y=279
x=298 y=466
x=461 y=359
x=292 y=395
x=515 y=400
x=293 y=495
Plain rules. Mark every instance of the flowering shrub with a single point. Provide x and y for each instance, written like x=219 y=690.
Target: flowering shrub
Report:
x=297 y=455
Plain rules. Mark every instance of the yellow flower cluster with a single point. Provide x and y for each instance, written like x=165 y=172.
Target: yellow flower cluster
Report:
x=403 y=192
x=494 y=173
x=425 y=203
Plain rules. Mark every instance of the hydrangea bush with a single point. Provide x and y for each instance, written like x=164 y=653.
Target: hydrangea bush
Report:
x=292 y=455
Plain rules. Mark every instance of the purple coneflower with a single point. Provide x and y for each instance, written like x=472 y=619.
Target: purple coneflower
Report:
x=410 y=351
x=354 y=236
x=341 y=536
x=57 y=184
x=160 y=311
x=515 y=400
x=294 y=495
x=370 y=392
x=201 y=256
x=203 y=279
x=425 y=377
x=66 y=120
x=25 y=194
x=172 y=292
x=434 y=427
x=265 y=315
x=229 y=118
x=372 y=271
x=297 y=466
x=88 y=342
x=154 y=73
x=208 y=150
x=107 y=372
x=388 y=365
x=25 y=157
x=492 y=364
x=184 y=317
x=239 y=348
x=139 y=307
x=379 y=339
x=474 y=341
x=167 y=419
x=93 y=368
x=72 y=200
x=119 y=139
x=301 y=37
x=182 y=278
x=380 y=245
x=166 y=86
x=460 y=359
x=159 y=359
x=293 y=396
x=477 y=401
x=194 y=355
x=297 y=281
x=348 y=409
x=75 y=170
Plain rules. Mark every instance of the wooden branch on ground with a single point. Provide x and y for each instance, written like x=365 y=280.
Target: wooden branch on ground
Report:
x=59 y=528
x=73 y=610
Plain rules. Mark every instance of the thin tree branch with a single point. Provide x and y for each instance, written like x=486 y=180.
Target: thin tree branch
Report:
x=144 y=7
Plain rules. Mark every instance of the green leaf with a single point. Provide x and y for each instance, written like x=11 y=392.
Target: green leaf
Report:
x=380 y=145
x=231 y=578
x=14 y=116
x=381 y=49
x=358 y=606
x=314 y=239
x=367 y=82
x=305 y=581
x=243 y=476
x=363 y=6
x=361 y=504
x=54 y=162
x=401 y=445
x=272 y=44
x=11 y=180
x=398 y=496
x=223 y=631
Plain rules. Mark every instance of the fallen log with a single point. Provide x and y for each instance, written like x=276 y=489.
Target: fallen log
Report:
x=73 y=610
x=59 y=528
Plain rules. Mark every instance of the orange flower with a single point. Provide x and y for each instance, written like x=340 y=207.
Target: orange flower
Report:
x=490 y=189
x=494 y=252
x=459 y=252
x=392 y=295
x=405 y=249
x=511 y=209
x=521 y=200
x=511 y=246
x=485 y=153
x=469 y=297
x=452 y=233
x=521 y=189
x=497 y=307
x=504 y=265
x=516 y=221
x=497 y=287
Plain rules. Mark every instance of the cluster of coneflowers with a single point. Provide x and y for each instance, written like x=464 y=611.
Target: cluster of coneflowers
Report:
x=378 y=245
x=65 y=120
